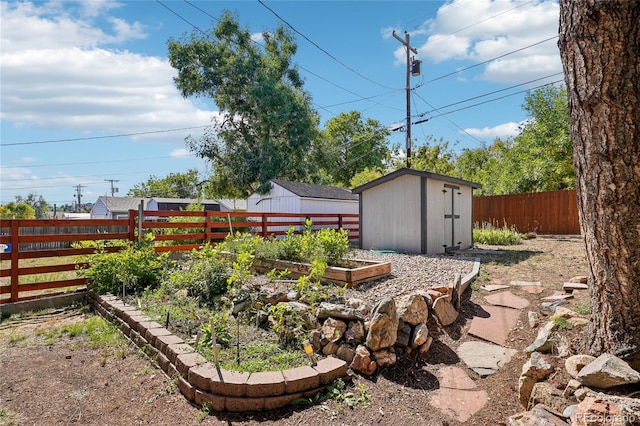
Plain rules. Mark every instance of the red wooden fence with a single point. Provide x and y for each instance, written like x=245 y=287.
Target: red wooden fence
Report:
x=38 y=250
x=547 y=213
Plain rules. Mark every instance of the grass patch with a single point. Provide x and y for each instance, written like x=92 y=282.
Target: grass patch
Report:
x=7 y=418
x=584 y=309
x=489 y=234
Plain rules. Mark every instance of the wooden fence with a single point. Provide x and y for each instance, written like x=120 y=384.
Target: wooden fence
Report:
x=546 y=213
x=39 y=258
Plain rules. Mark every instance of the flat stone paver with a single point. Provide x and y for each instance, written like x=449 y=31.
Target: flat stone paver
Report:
x=459 y=404
x=563 y=296
x=484 y=358
x=493 y=323
x=453 y=377
x=525 y=283
x=494 y=287
x=532 y=289
x=507 y=299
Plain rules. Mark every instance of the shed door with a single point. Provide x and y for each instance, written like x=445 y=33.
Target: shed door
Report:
x=451 y=217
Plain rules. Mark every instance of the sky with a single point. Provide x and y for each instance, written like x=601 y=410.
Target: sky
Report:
x=88 y=102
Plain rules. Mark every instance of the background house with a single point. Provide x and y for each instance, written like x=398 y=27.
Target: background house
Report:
x=413 y=211
x=297 y=197
x=118 y=207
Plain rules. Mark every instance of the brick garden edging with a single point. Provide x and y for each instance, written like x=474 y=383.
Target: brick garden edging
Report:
x=204 y=384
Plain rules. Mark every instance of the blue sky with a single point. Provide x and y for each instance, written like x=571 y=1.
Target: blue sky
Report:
x=75 y=75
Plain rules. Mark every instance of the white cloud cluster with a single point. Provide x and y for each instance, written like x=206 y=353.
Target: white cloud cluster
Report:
x=505 y=130
x=60 y=70
x=496 y=27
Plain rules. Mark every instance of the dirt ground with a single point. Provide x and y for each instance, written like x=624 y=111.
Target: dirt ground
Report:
x=65 y=382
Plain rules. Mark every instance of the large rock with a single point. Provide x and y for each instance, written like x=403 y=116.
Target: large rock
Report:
x=360 y=305
x=534 y=370
x=420 y=335
x=538 y=416
x=543 y=342
x=334 y=310
x=575 y=363
x=444 y=311
x=602 y=409
x=384 y=357
x=345 y=353
x=362 y=362
x=404 y=334
x=383 y=327
x=412 y=309
x=607 y=371
x=550 y=396
x=332 y=330
x=354 y=333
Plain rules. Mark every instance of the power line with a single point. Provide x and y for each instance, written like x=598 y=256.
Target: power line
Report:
x=491 y=93
x=323 y=50
x=487 y=61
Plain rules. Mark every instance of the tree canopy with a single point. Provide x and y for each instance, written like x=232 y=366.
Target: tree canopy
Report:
x=353 y=144
x=266 y=125
x=174 y=185
x=17 y=210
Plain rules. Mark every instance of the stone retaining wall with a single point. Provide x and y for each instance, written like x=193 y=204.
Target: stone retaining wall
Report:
x=201 y=382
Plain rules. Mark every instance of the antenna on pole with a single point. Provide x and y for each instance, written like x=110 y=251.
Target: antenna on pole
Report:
x=413 y=68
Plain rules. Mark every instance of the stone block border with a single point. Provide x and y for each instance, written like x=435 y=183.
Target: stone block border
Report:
x=204 y=384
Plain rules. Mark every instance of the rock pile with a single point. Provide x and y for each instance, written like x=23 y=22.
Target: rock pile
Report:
x=369 y=337
x=591 y=394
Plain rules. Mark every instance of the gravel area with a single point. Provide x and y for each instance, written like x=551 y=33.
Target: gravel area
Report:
x=410 y=273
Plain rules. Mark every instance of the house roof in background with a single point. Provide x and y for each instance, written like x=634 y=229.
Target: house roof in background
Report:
x=183 y=200
x=123 y=204
x=420 y=173
x=307 y=190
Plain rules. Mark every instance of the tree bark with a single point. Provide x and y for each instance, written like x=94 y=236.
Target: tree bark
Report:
x=599 y=44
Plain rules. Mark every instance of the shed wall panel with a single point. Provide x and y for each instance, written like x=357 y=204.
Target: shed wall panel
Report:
x=391 y=216
x=436 y=226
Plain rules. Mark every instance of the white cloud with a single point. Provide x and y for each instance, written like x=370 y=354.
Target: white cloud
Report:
x=497 y=27
x=504 y=130
x=180 y=153
x=55 y=77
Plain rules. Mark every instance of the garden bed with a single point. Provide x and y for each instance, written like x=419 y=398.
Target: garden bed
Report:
x=355 y=271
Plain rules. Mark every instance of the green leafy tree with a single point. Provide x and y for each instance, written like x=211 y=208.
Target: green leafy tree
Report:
x=367 y=175
x=538 y=159
x=434 y=156
x=17 y=210
x=266 y=125
x=354 y=144
x=37 y=202
x=174 y=185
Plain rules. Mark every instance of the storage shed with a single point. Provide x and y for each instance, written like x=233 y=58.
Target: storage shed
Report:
x=413 y=211
x=298 y=197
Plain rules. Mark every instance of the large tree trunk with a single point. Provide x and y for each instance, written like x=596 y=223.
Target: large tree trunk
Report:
x=599 y=44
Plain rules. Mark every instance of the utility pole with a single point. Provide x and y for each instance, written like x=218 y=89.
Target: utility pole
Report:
x=113 y=189
x=79 y=196
x=413 y=68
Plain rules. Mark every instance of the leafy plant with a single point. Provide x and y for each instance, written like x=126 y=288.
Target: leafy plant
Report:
x=489 y=234
x=222 y=328
x=562 y=322
x=338 y=392
x=128 y=271
x=204 y=274
x=289 y=323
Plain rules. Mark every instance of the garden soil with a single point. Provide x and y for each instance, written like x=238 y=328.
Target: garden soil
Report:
x=63 y=381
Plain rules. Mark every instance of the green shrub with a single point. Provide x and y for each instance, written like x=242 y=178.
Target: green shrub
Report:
x=203 y=274
x=129 y=271
x=488 y=234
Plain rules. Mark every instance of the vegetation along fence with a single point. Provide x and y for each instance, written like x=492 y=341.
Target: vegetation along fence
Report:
x=546 y=213
x=39 y=258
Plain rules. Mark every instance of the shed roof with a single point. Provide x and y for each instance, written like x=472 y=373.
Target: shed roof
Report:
x=307 y=190
x=420 y=173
